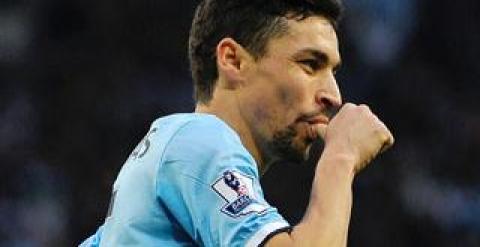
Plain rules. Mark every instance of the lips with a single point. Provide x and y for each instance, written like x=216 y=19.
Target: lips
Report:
x=312 y=125
x=317 y=120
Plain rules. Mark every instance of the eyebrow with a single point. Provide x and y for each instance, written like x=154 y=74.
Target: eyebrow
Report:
x=321 y=56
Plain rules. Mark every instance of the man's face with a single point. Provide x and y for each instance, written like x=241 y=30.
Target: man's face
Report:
x=292 y=89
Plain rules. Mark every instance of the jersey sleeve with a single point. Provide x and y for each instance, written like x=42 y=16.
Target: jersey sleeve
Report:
x=210 y=184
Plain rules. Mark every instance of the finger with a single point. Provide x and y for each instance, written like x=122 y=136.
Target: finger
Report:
x=390 y=140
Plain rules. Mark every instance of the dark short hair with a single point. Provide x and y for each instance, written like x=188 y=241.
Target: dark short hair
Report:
x=251 y=23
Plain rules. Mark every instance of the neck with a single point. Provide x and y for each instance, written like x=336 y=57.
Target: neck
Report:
x=224 y=106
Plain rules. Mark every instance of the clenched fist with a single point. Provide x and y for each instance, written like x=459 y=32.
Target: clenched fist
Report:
x=357 y=133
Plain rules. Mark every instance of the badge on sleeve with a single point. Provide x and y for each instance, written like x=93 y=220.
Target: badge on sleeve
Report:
x=237 y=190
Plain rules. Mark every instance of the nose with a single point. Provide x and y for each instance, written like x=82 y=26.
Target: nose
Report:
x=328 y=97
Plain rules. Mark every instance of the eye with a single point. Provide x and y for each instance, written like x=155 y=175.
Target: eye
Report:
x=311 y=64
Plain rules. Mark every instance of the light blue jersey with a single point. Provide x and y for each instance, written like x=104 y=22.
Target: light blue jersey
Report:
x=190 y=182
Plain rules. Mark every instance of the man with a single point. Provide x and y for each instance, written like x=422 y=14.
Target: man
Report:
x=265 y=89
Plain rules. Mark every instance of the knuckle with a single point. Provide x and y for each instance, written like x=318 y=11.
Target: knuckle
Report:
x=388 y=138
x=382 y=132
x=379 y=133
x=349 y=106
x=364 y=108
x=391 y=138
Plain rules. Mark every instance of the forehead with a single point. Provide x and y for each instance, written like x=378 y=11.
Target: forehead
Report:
x=314 y=33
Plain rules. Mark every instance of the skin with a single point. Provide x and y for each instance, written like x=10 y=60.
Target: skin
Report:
x=281 y=102
x=293 y=82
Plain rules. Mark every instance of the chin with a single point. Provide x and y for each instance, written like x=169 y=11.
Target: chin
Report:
x=290 y=144
x=302 y=150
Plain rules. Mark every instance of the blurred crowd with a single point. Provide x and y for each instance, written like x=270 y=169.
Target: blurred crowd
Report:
x=80 y=82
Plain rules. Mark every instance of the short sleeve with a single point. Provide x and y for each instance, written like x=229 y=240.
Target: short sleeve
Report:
x=210 y=184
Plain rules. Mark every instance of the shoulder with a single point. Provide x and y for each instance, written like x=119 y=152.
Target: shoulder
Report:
x=204 y=134
x=203 y=144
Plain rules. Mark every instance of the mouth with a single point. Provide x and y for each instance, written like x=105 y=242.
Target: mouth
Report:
x=317 y=120
x=312 y=124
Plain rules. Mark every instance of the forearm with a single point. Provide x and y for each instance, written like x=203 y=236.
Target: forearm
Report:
x=353 y=138
x=327 y=218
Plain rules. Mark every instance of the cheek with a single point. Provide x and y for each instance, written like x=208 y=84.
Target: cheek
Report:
x=277 y=100
x=278 y=107
x=256 y=104
x=288 y=95
x=268 y=110
x=298 y=85
x=262 y=110
x=291 y=95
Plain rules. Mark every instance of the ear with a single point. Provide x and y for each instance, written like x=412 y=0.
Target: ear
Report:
x=232 y=61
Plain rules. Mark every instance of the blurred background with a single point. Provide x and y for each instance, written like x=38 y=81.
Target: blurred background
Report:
x=81 y=80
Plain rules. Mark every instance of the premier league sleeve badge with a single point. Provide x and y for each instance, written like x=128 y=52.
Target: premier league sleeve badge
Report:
x=237 y=191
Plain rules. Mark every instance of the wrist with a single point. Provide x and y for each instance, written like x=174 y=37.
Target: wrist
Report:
x=342 y=162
